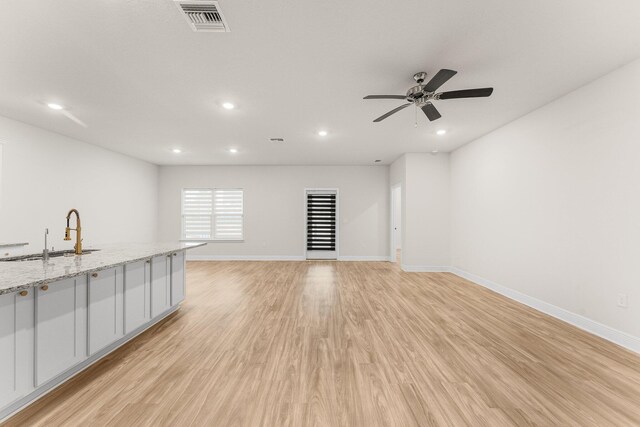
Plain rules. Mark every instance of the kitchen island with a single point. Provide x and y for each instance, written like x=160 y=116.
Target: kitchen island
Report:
x=59 y=316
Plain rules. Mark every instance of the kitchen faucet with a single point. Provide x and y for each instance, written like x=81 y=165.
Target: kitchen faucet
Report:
x=67 y=231
x=45 y=252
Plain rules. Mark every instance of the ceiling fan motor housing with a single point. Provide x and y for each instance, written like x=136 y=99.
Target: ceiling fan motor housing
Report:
x=418 y=94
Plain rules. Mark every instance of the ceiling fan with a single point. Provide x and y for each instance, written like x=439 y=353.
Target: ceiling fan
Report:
x=422 y=95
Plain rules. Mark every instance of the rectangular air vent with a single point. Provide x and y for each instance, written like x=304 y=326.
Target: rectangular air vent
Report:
x=276 y=139
x=203 y=15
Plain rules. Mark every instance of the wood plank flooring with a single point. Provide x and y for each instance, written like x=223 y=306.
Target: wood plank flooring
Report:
x=349 y=344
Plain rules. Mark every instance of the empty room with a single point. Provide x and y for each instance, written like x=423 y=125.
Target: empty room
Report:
x=339 y=213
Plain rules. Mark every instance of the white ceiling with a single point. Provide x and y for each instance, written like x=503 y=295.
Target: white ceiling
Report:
x=144 y=82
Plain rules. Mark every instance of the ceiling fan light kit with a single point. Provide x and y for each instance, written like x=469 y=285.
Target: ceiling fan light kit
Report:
x=422 y=94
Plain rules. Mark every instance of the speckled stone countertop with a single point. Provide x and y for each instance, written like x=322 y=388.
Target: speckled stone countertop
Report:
x=20 y=275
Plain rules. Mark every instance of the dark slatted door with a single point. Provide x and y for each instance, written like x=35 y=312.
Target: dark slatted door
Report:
x=321 y=224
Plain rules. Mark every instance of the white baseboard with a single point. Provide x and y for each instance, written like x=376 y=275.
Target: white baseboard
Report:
x=193 y=257
x=424 y=268
x=363 y=258
x=603 y=331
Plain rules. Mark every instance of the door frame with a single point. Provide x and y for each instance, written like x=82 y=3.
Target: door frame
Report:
x=392 y=216
x=304 y=205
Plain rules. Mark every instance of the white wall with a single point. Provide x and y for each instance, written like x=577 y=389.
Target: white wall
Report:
x=44 y=174
x=425 y=181
x=549 y=205
x=274 y=207
x=426 y=234
x=398 y=171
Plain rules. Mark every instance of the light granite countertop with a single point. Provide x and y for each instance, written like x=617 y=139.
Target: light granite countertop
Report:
x=20 y=275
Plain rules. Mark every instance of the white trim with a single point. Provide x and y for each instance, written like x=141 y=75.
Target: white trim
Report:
x=392 y=221
x=196 y=257
x=425 y=268
x=322 y=255
x=603 y=331
x=363 y=258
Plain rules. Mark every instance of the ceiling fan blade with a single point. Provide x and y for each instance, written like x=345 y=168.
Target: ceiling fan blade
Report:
x=439 y=79
x=385 y=97
x=467 y=93
x=395 y=110
x=431 y=111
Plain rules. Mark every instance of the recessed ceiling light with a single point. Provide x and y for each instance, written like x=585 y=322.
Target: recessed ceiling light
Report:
x=177 y=150
x=322 y=133
x=441 y=132
x=434 y=152
x=228 y=106
x=233 y=150
x=54 y=106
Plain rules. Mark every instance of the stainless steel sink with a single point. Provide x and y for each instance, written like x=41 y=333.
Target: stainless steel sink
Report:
x=37 y=257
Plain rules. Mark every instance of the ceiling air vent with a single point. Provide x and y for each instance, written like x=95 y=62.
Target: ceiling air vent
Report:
x=276 y=139
x=203 y=15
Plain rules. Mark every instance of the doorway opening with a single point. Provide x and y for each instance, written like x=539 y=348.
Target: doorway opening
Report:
x=321 y=207
x=396 y=224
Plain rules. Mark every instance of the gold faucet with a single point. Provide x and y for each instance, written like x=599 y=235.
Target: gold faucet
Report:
x=67 y=231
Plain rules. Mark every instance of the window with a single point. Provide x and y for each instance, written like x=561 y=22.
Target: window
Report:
x=212 y=214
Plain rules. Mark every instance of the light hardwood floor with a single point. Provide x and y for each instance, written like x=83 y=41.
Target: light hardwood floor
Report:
x=349 y=344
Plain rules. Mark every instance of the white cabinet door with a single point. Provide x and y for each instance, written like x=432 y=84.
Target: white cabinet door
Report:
x=105 y=308
x=60 y=327
x=16 y=345
x=177 y=278
x=160 y=284
x=137 y=294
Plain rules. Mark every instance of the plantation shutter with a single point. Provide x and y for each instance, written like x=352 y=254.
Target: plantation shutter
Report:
x=212 y=214
x=197 y=210
x=228 y=214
